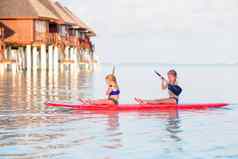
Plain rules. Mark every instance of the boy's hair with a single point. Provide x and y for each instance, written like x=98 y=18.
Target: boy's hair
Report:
x=173 y=72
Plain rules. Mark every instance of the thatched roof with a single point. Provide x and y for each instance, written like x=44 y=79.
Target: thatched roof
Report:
x=80 y=23
x=24 y=9
x=53 y=7
x=38 y=9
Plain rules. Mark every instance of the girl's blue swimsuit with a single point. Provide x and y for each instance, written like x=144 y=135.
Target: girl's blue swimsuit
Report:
x=114 y=92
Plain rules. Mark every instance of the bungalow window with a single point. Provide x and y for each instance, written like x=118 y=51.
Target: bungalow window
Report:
x=74 y=33
x=82 y=35
x=77 y=33
x=63 y=31
x=40 y=26
x=53 y=28
x=71 y=32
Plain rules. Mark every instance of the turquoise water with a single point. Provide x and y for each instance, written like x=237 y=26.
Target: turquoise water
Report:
x=28 y=129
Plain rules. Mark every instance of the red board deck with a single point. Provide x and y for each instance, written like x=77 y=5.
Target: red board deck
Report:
x=135 y=107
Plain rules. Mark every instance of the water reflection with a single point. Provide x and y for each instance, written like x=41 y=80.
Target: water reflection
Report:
x=28 y=129
x=172 y=121
x=114 y=134
x=173 y=126
x=27 y=88
x=24 y=119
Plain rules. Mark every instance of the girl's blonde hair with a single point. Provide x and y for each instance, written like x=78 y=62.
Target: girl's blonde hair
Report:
x=112 y=78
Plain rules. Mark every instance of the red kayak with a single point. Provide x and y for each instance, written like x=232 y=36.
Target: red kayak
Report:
x=135 y=107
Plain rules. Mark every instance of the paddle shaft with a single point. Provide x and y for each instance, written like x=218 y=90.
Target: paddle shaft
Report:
x=157 y=73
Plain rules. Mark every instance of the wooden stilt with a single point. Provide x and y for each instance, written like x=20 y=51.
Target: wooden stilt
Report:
x=24 y=63
x=81 y=55
x=43 y=57
x=71 y=54
x=89 y=56
x=67 y=53
x=13 y=56
x=1 y=70
x=92 y=56
x=74 y=57
x=28 y=57
x=56 y=58
x=43 y=84
x=50 y=57
x=35 y=58
x=7 y=56
x=56 y=68
x=20 y=58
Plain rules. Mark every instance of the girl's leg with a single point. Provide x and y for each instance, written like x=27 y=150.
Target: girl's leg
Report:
x=97 y=102
x=102 y=102
x=158 y=101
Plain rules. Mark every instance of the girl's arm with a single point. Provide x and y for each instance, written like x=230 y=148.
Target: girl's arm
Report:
x=164 y=84
x=109 y=90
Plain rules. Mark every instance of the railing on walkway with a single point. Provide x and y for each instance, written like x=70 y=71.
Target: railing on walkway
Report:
x=73 y=40
x=61 y=41
x=49 y=38
x=54 y=38
x=41 y=37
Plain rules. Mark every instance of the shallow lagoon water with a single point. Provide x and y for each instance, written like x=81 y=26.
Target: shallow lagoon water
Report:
x=28 y=129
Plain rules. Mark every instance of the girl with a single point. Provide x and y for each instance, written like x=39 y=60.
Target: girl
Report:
x=173 y=90
x=112 y=92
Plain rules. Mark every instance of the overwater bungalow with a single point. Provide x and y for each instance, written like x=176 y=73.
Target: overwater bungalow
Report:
x=84 y=32
x=42 y=34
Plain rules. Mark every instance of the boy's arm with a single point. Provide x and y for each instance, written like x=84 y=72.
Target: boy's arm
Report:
x=164 y=84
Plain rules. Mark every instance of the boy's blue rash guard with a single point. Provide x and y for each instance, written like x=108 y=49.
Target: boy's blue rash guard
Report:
x=175 y=89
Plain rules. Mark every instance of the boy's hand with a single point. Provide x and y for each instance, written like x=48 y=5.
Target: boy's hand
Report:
x=159 y=75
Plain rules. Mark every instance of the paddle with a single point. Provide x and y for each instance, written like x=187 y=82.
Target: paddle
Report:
x=160 y=75
x=177 y=90
x=113 y=70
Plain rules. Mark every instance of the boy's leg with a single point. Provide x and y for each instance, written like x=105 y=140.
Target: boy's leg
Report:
x=97 y=102
x=158 y=101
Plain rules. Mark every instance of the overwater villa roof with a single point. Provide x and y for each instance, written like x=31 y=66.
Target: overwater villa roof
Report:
x=51 y=5
x=24 y=9
x=66 y=11
x=42 y=9
x=80 y=24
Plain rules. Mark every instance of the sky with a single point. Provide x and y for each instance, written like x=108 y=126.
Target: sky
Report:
x=162 y=31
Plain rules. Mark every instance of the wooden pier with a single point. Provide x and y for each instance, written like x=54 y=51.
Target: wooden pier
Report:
x=42 y=35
